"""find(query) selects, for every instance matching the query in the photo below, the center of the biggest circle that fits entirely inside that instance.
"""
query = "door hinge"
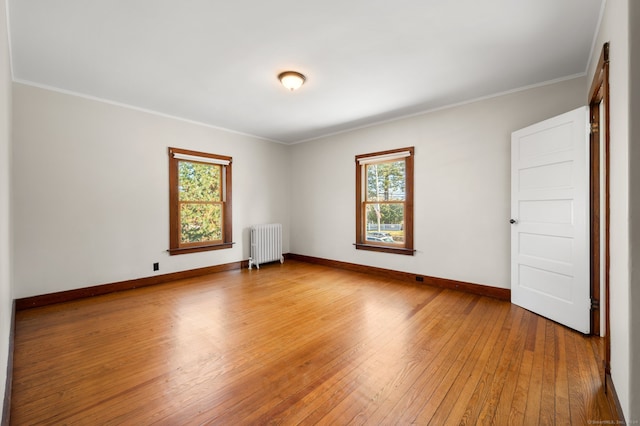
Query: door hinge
(593, 127)
(595, 304)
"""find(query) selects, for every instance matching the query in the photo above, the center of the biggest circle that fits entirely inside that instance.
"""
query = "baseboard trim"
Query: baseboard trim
(480, 289)
(612, 398)
(6, 404)
(81, 293)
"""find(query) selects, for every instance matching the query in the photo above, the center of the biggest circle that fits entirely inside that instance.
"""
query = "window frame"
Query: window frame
(361, 201)
(175, 247)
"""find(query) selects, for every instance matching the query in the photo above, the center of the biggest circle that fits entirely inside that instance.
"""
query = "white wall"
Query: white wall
(90, 187)
(634, 193)
(6, 298)
(615, 29)
(462, 184)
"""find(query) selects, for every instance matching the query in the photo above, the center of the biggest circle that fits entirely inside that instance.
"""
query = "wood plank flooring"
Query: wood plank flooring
(300, 344)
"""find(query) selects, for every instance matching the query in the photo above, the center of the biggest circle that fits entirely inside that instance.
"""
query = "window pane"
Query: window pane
(384, 223)
(386, 181)
(198, 181)
(200, 223)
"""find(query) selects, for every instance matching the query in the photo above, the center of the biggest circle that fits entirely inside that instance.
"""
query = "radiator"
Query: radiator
(266, 244)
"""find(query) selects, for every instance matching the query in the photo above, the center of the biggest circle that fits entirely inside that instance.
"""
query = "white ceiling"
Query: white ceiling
(366, 61)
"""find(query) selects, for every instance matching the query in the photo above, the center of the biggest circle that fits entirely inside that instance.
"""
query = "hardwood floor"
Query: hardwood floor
(300, 344)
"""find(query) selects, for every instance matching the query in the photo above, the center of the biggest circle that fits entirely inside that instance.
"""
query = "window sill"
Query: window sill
(185, 250)
(385, 249)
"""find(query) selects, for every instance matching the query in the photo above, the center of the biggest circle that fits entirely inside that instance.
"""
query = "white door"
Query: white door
(550, 219)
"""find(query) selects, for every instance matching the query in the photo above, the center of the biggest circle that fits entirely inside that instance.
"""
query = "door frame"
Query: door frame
(599, 93)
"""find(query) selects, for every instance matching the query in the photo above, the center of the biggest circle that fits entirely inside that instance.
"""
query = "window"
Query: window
(384, 201)
(199, 201)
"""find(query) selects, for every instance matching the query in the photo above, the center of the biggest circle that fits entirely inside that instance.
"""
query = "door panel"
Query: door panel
(549, 208)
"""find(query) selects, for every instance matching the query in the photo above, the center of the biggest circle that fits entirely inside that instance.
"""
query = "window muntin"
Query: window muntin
(200, 201)
(384, 209)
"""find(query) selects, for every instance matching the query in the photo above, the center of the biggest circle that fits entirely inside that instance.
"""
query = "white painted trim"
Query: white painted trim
(594, 49)
(364, 126)
(445, 107)
(135, 108)
(6, 11)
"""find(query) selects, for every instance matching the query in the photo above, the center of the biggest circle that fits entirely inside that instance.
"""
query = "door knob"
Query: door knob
(513, 221)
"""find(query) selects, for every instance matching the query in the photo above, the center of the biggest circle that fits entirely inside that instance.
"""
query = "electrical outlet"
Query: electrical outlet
(156, 266)
(419, 278)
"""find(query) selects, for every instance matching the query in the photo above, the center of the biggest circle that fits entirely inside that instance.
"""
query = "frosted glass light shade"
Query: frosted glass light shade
(291, 80)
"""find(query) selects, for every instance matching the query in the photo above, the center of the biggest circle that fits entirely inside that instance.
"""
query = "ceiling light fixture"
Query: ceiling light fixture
(292, 80)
